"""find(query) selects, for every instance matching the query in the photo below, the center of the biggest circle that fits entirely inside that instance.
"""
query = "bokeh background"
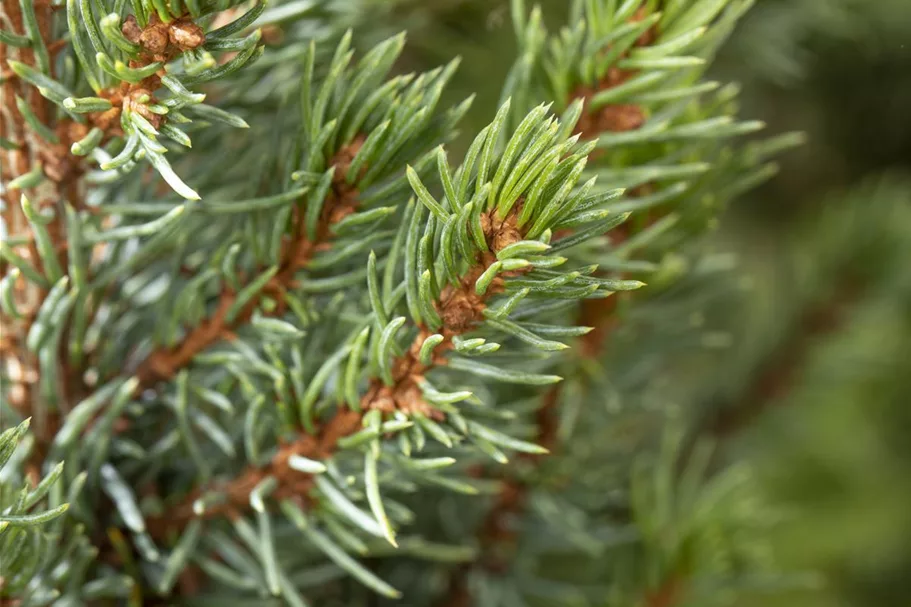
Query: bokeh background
(812, 385)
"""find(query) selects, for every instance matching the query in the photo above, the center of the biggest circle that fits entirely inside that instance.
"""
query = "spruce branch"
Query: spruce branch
(470, 264)
(320, 216)
(399, 125)
(125, 65)
(302, 353)
(640, 99)
(456, 311)
(494, 532)
(292, 485)
(355, 135)
(53, 137)
(488, 240)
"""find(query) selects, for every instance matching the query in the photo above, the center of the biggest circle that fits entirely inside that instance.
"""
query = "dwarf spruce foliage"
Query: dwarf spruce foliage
(268, 340)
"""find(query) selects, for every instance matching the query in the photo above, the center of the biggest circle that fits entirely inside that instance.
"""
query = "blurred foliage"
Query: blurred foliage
(834, 452)
(839, 70)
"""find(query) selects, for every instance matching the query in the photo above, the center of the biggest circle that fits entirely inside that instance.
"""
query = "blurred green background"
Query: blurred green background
(816, 389)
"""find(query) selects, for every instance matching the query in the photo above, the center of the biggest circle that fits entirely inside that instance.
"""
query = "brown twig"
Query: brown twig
(780, 371)
(667, 594)
(293, 485)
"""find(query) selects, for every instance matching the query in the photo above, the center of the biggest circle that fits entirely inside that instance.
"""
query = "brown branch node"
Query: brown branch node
(460, 308)
(613, 117)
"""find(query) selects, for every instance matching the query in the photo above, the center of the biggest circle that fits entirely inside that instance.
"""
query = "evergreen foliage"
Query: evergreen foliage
(277, 346)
